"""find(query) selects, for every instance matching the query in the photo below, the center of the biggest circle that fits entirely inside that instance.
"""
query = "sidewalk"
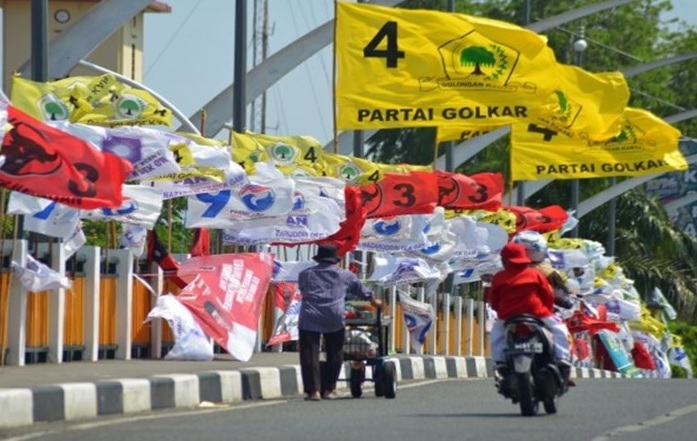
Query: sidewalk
(83, 390)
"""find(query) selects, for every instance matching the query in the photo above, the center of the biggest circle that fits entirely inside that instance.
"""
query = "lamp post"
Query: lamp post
(578, 46)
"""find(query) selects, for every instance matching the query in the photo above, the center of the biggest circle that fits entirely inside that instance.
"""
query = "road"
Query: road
(596, 410)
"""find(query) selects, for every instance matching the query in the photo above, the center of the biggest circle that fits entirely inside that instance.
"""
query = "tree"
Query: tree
(478, 56)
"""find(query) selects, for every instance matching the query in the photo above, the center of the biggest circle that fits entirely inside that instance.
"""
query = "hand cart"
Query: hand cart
(367, 333)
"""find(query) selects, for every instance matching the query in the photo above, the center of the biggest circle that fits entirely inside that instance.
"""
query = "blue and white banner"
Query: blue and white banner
(141, 206)
(392, 234)
(419, 318)
(312, 218)
(394, 270)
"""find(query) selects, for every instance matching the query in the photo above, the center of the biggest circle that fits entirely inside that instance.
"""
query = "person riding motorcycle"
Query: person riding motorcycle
(521, 289)
(536, 246)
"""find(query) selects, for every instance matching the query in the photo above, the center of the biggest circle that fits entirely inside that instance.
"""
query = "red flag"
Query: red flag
(397, 193)
(201, 242)
(226, 295)
(349, 232)
(483, 191)
(52, 164)
(541, 220)
(158, 253)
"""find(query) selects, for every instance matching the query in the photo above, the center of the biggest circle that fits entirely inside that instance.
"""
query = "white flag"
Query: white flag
(419, 318)
(36, 276)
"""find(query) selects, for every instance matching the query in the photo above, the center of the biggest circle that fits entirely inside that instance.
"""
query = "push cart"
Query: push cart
(367, 333)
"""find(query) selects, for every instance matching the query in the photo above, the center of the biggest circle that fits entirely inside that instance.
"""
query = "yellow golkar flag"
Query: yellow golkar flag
(590, 106)
(645, 145)
(100, 100)
(407, 68)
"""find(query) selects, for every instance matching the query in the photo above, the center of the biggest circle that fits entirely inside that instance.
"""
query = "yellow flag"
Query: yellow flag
(645, 145)
(590, 106)
(356, 171)
(288, 153)
(406, 68)
(101, 100)
(462, 133)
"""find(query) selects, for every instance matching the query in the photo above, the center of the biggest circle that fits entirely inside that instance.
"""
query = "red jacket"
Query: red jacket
(521, 290)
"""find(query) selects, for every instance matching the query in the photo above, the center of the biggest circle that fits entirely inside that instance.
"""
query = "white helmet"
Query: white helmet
(535, 244)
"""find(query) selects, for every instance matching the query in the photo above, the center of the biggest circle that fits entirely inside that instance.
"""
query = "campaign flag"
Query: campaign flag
(288, 271)
(225, 293)
(287, 312)
(44, 215)
(541, 220)
(391, 270)
(158, 253)
(52, 164)
(146, 149)
(283, 151)
(396, 193)
(312, 218)
(90, 100)
(482, 191)
(646, 145)
(36, 276)
(462, 133)
(141, 206)
(392, 234)
(419, 318)
(350, 228)
(409, 67)
(255, 201)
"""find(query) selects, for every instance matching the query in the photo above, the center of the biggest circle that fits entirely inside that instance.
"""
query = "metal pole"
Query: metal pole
(520, 190)
(240, 68)
(575, 187)
(449, 146)
(611, 220)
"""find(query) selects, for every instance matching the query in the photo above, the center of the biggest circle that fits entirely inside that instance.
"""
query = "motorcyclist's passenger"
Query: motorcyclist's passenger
(521, 289)
(536, 246)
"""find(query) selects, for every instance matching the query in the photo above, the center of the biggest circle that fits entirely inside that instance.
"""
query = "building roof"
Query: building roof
(154, 6)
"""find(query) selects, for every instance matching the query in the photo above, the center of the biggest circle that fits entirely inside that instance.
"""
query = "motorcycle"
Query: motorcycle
(531, 374)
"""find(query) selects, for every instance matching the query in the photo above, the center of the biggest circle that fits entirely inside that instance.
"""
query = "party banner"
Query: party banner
(419, 318)
(287, 312)
(462, 133)
(482, 191)
(90, 100)
(52, 164)
(225, 293)
(541, 220)
(646, 145)
(408, 67)
(398, 194)
(148, 150)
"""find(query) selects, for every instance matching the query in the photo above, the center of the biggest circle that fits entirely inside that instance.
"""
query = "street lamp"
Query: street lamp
(578, 46)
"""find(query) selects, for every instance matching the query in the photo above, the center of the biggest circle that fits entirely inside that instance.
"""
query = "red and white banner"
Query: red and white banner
(225, 294)
(287, 312)
(49, 163)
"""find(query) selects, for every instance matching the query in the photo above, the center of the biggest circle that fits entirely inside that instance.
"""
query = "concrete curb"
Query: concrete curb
(79, 401)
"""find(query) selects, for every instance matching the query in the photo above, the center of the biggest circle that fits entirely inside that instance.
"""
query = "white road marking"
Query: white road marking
(662, 419)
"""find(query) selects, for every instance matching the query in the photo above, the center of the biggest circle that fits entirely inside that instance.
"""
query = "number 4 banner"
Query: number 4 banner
(419, 68)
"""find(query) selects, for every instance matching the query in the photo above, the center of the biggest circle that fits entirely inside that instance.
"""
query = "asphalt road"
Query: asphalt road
(596, 410)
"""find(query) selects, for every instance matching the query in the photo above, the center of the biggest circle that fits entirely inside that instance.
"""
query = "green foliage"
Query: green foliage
(688, 333)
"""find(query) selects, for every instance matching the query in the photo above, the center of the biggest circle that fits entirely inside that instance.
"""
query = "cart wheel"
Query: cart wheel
(357, 378)
(389, 380)
(379, 380)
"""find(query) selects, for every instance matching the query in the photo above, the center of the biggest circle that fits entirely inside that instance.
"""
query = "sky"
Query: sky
(189, 59)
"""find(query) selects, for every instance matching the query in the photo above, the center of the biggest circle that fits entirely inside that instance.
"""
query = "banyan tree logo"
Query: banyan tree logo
(349, 171)
(474, 62)
(129, 106)
(631, 139)
(53, 108)
(283, 154)
(568, 110)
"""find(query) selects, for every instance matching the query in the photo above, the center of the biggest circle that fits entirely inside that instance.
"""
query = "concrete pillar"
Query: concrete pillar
(56, 316)
(17, 311)
(124, 303)
(92, 297)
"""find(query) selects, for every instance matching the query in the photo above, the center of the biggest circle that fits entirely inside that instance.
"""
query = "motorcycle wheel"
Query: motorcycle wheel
(526, 395)
(550, 406)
